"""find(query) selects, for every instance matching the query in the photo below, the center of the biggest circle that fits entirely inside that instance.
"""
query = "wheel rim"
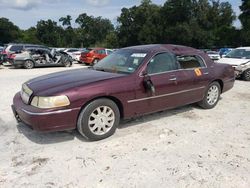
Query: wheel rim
(247, 74)
(67, 64)
(29, 64)
(212, 95)
(101, 120)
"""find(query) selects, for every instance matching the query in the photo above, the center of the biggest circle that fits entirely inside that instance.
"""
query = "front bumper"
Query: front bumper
(44, 120)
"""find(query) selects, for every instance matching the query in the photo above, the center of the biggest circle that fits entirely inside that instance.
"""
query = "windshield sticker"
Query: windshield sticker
(138, 55)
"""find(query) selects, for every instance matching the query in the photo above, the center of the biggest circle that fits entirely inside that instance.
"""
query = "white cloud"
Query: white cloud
(19, 4)
(24, 4)
(98, 2)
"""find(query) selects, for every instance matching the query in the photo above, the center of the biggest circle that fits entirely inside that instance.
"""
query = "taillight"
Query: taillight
(12, 56)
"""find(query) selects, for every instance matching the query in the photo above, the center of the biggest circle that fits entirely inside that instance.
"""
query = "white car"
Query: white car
(71, 52)
(239, 58)
(213, 55)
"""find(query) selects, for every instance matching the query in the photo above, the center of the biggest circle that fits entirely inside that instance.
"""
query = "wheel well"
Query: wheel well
(220, 82)
(114, 99)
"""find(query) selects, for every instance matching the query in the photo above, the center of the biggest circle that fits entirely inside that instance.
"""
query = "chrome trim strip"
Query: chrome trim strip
(49, 113)
(165, 95)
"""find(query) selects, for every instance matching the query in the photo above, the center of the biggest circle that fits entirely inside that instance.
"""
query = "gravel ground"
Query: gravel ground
(186, 147)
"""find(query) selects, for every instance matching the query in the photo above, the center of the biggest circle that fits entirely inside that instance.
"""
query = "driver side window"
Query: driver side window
(162, 63)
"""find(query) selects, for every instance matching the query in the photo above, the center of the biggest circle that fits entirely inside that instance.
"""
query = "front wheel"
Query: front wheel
(246, 75)
(211, 97)
(99, 119)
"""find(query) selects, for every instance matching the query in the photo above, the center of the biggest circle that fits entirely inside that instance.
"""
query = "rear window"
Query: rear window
(16, 48)
(190, 62)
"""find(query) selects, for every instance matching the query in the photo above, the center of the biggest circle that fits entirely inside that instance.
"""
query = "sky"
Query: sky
(26, 13)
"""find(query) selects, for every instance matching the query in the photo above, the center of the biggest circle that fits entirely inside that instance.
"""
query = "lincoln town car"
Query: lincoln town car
(130, 82)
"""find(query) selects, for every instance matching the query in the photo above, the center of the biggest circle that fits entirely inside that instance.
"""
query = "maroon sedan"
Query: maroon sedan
(130, 82)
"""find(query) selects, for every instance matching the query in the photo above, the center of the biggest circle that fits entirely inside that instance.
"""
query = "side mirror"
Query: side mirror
(148, 84)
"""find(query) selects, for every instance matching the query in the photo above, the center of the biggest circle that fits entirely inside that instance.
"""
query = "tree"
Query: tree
(245, 21)
(139, 24)
(93, 29)
(66, 21)
(49, 33)
(30, 36)
(8, 31)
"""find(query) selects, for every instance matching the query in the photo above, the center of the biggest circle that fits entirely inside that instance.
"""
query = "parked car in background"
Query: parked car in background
(130, 82)
(213, 55)
(92, 55)
(76, 55)
(1, 49)
(38, 57)
(224, 51)
(239, 58)
(71, 51)
(12, 49)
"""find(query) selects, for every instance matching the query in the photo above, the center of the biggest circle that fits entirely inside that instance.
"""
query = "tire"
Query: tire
(67, 63)
(28, 64)
(95, 116)
(211, 96)
(95, 61)
(246, 75)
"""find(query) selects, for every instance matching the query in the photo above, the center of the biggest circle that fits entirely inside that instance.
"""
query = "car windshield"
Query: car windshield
(239, 53)
(121, 61)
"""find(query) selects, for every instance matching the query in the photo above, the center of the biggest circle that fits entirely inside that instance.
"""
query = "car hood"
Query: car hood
(61, 81)
(233, 61)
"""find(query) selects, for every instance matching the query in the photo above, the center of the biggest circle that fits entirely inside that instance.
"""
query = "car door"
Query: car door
(194, 67)
(163, 71)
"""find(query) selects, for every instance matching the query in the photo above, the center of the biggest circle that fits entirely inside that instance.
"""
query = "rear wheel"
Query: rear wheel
(67, 63)
(211, 97)
(28, 64)
(246, 75)
(99, 119)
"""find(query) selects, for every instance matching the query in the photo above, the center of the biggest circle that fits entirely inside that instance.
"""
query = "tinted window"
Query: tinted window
(162, 63)
(16, 48)
(72, 50)
(239, 53)
(190, 62)
(101, 52)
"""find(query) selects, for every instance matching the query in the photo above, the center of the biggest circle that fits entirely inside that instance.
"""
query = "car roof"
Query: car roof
(244, 48)
(176, 49)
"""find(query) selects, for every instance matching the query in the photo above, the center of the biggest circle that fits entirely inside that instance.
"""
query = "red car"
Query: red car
(92, 55)
(130, 82)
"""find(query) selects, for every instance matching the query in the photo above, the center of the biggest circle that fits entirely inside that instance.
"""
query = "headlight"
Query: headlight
(50, 102)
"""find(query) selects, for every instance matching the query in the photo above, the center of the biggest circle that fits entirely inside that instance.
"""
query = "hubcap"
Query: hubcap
(29, 64)
(247, 74)
(101, 120)
(212, 95)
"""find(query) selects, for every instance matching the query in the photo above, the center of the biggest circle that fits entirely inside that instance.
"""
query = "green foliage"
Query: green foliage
(245, 21)
(8, 31)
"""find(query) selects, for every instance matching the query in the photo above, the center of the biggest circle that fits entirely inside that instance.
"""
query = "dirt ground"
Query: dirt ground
(186, 147)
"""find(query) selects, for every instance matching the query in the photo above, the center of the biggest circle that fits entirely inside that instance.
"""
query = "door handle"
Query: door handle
(172, 79)
(206, 73)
